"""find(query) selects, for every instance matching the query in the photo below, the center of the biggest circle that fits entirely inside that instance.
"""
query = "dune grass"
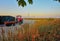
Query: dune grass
(41, 30)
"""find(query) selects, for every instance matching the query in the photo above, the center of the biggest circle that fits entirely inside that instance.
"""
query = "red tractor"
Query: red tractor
(19, 19)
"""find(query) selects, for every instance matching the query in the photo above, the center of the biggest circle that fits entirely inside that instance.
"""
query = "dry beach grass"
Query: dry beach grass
(42, 30)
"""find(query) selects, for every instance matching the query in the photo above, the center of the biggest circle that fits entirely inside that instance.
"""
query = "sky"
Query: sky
(39, 9)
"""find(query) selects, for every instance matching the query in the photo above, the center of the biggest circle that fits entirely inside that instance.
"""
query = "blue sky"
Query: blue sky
(41, 8)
